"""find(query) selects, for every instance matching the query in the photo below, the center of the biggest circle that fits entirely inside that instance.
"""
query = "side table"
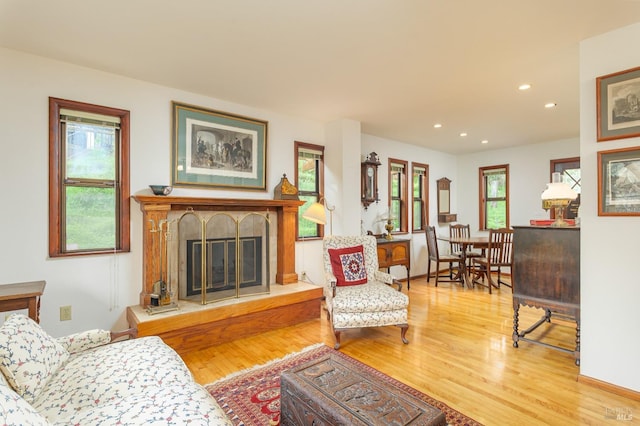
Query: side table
(22, 296)
(395, 252)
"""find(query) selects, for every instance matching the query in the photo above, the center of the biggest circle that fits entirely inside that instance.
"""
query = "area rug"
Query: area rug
(252, 397)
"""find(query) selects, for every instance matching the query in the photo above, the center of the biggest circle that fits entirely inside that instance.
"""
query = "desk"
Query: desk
(466, 244)
(22, 296)
(394, 252)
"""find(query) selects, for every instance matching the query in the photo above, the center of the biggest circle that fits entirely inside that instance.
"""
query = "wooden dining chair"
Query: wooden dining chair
(435, 256)
(459, 230)
(499, 255)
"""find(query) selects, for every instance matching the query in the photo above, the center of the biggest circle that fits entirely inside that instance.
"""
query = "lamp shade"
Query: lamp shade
(558, 190)
(316, 213)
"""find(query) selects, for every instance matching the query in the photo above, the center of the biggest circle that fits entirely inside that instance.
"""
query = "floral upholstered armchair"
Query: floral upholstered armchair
(358, 294)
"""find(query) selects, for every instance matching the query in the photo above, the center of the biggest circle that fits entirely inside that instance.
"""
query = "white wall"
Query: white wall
(528, 176)
(440, 165)
(610, 290)
(98, 287)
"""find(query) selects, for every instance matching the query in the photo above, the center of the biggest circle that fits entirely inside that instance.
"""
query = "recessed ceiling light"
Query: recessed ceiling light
(525, 86)
(437, 125)
(463, 134)
(484, 141)
(550, 105)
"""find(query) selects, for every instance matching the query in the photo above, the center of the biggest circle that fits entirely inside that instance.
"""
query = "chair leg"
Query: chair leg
(403, 333)
(337, 345)
(481, 272)
(429, 270)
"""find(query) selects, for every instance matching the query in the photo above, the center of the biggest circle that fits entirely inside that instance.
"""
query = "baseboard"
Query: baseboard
(617, 390)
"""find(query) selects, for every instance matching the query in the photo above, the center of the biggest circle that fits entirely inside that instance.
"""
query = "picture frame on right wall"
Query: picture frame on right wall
(618, 105)
(619, 182)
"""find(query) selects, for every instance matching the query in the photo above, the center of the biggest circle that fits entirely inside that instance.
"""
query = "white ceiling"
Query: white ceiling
(397, 66)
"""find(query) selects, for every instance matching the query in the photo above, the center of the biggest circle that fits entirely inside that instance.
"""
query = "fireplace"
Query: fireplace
(213, 256)
(220, 263)
(264, 228)
(194, 325)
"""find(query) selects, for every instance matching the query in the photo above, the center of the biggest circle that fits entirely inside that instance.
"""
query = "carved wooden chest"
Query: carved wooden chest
(327, 391)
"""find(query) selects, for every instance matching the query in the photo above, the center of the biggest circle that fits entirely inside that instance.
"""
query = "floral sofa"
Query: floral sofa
(357, 294)
(83, 379)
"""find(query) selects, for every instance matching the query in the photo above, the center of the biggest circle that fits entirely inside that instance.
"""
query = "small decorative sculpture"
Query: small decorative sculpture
(285, 190)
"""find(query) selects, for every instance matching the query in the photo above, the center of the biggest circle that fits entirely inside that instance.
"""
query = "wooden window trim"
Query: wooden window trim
(425, 195)
(482, 195)
(297, 145)
(123, 237)
(403, 193)
(552, 169)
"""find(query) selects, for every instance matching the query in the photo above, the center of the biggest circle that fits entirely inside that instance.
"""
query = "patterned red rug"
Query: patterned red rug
(252, 397)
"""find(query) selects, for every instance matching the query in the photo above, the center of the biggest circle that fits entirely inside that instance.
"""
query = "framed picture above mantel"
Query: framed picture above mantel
(618, 105)
(214, 149)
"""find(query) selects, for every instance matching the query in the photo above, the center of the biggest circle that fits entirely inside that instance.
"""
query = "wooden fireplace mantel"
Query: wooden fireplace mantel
(156, 208)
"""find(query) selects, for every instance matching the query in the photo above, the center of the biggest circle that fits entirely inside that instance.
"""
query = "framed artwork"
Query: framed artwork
(619, 182)
(618, 105)
(214, 149)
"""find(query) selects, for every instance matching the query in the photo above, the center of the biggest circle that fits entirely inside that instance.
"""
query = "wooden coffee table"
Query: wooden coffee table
(329, 391)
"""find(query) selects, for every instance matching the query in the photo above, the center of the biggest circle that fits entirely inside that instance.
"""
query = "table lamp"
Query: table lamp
(557, 196)
(316, 213)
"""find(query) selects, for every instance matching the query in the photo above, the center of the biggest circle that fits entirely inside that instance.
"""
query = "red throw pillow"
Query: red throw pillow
(348, 265)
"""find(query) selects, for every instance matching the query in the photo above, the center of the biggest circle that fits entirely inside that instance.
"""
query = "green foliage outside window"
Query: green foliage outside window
(90, 221)
(90, 207)
(306, 228)
(496, 207)
(307, 181)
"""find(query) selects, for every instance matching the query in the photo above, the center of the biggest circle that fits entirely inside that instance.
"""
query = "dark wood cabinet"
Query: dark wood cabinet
(395, 252)
(546, 275)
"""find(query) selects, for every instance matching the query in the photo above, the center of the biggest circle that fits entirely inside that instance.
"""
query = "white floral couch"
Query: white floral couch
(357, 293)
(83, 379)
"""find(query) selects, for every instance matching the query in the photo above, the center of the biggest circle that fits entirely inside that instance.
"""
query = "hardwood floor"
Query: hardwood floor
(460, 352)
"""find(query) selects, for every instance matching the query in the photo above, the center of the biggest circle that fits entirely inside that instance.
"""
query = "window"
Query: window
(494, 197)
(309, 180)
(570, 170)
(88, 179)
(398, 194)
(420, 193)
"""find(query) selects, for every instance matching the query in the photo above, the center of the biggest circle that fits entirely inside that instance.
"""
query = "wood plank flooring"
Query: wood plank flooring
(460, 352)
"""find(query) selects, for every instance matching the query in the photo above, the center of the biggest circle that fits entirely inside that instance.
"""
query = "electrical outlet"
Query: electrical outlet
(65, 313)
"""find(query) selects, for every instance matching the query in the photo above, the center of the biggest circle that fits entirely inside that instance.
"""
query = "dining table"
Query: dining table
(466, 244)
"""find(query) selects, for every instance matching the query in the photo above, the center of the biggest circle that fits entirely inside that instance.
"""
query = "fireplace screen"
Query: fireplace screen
(222, 256)
(220, 263)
